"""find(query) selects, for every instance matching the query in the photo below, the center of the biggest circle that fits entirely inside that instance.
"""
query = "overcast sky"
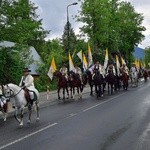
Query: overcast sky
(54, 15)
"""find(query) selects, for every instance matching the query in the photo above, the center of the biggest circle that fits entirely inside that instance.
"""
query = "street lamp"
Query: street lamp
(75, 3)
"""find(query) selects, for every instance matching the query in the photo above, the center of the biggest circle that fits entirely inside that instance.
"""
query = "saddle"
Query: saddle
(30, 96)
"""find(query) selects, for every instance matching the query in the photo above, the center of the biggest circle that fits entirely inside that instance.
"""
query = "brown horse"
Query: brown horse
(145, 75)
(75, 82)
(111, 81)
(125, 79)
(62, 84)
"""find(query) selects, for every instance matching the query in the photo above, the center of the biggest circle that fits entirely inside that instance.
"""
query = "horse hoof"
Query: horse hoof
(28, 122)
(21, 124)
(37, 119)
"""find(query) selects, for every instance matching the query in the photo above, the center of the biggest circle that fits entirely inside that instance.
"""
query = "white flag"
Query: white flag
(71, 65)
(90, 59)
(52, 69)
(106, 59)
(79, 54)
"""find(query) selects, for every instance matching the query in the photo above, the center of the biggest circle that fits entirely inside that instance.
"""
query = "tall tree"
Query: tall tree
(19, 23)
(69, 38)
(111, 24)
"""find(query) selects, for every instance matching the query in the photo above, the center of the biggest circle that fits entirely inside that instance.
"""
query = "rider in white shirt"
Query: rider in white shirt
(78, 71)
(125, 69)
(64, 71)
(134, 68)
(97, 67)
(27, 83)
(111, 68)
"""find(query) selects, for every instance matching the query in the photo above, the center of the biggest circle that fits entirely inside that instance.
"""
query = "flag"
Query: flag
(122, 61)
(85, 63)
(79, 54)
(106, 59)
(71, 65)
(117, 65)
(52, 69)
(74, 52)
(90, 59)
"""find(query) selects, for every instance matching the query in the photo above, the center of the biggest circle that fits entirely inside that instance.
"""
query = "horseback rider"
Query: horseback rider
(134, 68)
(78, 71)
(97, 67)
(64, 71)
(111, 69)
(124, 69)
(27, 83)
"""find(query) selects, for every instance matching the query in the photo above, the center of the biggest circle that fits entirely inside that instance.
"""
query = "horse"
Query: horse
(62, 84)
(14, 91)
(4, 107)
(111, 81)
(75, 82)
(145, 74)
(98, 82)
(134, 79)
(90, 81)
(125, 79)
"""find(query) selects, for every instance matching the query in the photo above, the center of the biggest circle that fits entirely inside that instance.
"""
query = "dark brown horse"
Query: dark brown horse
(125, 79)
(145, 74)
(75, 82)
(111, 81)
(62, 84)
(98, 81)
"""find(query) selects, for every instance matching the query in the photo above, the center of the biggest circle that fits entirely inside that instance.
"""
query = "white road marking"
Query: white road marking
(29, 135)
(102, 102)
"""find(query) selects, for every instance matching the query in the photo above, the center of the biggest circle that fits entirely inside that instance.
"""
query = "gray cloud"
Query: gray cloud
(54, 15)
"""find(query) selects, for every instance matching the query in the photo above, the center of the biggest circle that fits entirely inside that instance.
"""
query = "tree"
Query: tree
(69, 43)
(111, 24)
(19, 24)
(147, 57)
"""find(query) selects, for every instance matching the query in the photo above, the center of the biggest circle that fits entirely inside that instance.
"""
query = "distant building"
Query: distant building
(36, 58)
(139, 53)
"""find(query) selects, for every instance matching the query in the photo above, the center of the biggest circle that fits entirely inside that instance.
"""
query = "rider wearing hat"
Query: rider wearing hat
(124, 69)
(134, 68)
(64, 71)
(78, 71)
(111, 68)
(27, 83)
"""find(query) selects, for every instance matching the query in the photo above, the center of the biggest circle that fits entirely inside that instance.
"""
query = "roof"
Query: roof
(139, 53)
(36, 58)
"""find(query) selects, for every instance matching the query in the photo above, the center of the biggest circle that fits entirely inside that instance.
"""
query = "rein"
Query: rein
(13, 93)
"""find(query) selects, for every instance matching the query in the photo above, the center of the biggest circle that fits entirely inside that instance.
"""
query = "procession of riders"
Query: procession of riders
(111, 68)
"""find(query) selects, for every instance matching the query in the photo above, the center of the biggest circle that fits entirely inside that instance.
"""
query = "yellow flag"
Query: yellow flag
(85, 63)
(117, 65)
(122, 61)
(52, 69)
(106, 59)
(90, 59)
(71, 65)
(136, 63)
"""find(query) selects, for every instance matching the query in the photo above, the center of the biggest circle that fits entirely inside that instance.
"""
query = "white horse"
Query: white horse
(16, 92)
(134, 78)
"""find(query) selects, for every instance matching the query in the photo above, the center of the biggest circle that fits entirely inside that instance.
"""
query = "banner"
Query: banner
(52, 69)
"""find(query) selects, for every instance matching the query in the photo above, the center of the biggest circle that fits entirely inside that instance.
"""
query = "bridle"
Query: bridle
(13, 94)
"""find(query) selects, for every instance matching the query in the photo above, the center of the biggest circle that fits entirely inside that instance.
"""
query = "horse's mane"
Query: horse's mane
(14, 86)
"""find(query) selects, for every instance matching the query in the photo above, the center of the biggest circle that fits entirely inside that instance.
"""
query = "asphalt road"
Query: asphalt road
(117, 122)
